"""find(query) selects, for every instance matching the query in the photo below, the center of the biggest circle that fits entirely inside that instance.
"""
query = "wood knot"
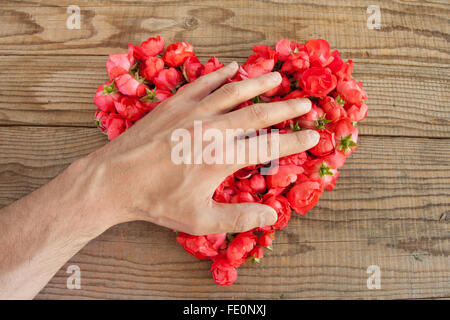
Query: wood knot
(190, 23)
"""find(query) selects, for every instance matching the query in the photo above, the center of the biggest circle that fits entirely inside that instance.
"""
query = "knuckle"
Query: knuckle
(299, 139)
(231, 89)
(241, 222)
(259, 112)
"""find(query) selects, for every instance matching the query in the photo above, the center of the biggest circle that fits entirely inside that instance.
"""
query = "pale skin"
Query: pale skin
(133, 178)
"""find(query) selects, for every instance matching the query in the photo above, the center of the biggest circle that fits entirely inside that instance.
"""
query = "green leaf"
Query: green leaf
(325, 170)
(295, 127)
(270, 248)
(256, 99)
(108, 89)
(339, 100)
(346, 143)
(321, 122)
(151, 95)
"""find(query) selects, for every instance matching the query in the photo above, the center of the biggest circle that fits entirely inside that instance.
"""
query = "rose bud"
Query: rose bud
(318, 82)
(256, 254)
(129, 108)
(333, 110)
(346, 136)
(212, 65)
(106, 95)
(129, 86)
(351, 91)
(116, 125)
(356, 113)
(326, 144)
(168, 79)
(192, 69)
(283, 176)
(261, 62)
(177, 53)
(266, 239)
(304, 196)
(319, 52)
(120, 63)
(341, 69)
(149, 48)
(319, 170)
(151, 67)
(223, 273)
(281, 205)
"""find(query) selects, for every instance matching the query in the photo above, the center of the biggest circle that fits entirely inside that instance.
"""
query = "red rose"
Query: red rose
(351, 91)
(168, 79)
(285, 48)
(106, 95)
(120, 63)
(243, 197)
(223, 273)
(319, 52)
(149, 48)
(116, 125)
(100, 118)
(212, 65)
(151, 67)
(239, 248)
(326, 144)
(297, 159)
(266, 239)
(319, 170)
(346, 136)
(341, 69)
(296, 62)
(257, 253)
(281, 205)
(334, 111)
(304, 196)
(202, 247)
(256, 184)
(154, 97)
(261, 62)
(335, 160)
(129, 86)
(314, 119)
(283, 176)
(318, 82)
(355, 112)
(177, 53)
(192, 69)
(129, 108)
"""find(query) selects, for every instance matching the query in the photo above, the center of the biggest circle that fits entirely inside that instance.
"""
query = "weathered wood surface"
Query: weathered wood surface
(389, 210)
(392, 202)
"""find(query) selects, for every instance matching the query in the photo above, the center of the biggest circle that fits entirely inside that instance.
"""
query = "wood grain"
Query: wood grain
(61, 93)
(386, 210)
(421, 31)
(391, 207)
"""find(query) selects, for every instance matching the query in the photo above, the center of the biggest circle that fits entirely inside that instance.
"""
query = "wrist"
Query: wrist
(83, 197)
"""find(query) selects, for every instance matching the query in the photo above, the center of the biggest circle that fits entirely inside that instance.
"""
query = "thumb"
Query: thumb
(240, 217)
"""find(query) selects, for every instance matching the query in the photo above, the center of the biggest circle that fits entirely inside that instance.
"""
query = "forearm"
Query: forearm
(43, 230)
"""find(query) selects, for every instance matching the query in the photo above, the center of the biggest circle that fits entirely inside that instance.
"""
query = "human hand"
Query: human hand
(134, 178)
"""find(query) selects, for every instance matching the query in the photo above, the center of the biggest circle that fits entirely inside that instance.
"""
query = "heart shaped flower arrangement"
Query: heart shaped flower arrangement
(150, 73)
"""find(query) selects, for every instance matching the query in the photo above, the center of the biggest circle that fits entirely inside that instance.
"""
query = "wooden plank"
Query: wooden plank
(412, 32)
(59, 90)
(388, 210)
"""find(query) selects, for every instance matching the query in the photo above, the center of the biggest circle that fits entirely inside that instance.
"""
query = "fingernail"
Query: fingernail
(275, 76)
(313, 135)
(233, 65)
(270, 218)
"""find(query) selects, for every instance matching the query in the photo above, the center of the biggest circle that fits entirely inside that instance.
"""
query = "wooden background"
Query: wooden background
(391, 207)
